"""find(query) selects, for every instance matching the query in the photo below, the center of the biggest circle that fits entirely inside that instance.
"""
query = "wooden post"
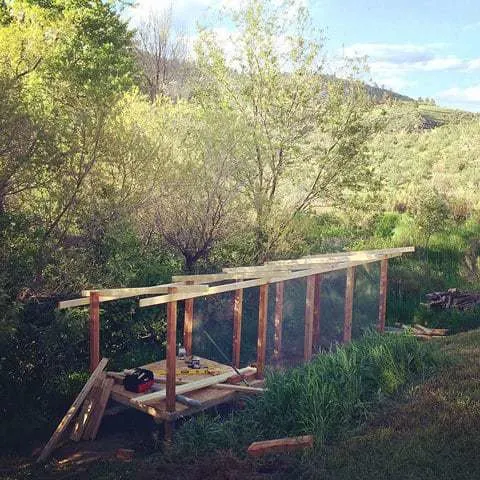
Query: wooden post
(316, 311)
(347, 325)
(278, 320)
(237, 326)
(188, 323)
(308, 336)
(262, 330)
(171, 352)
(382, 308)
(94, 330)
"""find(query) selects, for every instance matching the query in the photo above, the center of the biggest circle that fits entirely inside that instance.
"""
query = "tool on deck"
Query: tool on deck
(189, 402)
(244, 380)
(138, 380)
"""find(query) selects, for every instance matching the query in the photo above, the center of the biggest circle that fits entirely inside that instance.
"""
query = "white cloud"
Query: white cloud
(466, 95)
(394, 64)
(471, 26)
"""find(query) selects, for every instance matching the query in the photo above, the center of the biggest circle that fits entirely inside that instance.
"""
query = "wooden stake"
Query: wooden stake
(316, 311)
(188, 323)
(171, 352)
(278, 321)
(308, 336)
(94, 330)
(350, 285)
(262, 330)
(237, 327)
(382, 307)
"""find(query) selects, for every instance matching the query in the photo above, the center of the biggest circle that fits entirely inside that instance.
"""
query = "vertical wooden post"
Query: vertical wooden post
(316, 311)
(278, 320)
(347, 325)
(237, 326)
(94, 330)
(308, 336)
(188, 323)
(262, 330)
(171, 352)
(382, 307)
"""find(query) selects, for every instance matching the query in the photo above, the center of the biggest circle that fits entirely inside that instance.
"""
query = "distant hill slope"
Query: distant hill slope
(429, 116)
(381, 94)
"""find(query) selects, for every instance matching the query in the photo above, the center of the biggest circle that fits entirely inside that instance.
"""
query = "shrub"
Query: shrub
(333, 393)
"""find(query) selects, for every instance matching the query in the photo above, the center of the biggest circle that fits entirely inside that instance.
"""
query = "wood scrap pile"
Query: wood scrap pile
(426, 333)
(418, 331)
(453, 298)
(87, 411)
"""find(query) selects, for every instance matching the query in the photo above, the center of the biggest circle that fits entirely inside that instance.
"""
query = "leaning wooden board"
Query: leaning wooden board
(66, 420)
(87, 411)
(94, 424)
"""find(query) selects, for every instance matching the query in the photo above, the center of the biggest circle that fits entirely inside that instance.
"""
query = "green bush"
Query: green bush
(333, 393)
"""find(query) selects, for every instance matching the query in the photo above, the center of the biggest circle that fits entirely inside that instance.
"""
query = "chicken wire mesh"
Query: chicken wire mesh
(132, 336)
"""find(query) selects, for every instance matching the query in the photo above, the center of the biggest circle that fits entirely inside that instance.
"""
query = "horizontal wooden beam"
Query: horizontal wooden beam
(134, 292)
(272, 277)
(108, 295)
(239, 388)
(342, 256)
(191, 386)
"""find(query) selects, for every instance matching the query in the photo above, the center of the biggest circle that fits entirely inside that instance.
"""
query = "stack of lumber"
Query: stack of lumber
(418, 331)
(453, 298)
(86, 411)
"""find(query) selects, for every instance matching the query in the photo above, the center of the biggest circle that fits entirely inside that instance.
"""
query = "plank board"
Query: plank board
(67, 419)
(191, 386)
(237, 327)
(94, 424)
(262, 330)
(382, 307)
(270, 278)
(86, 412)
(278, 320)
(308, 333)
(288, 444)
(207, 396)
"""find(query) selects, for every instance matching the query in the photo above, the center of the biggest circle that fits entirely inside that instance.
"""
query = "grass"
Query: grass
(426, 429)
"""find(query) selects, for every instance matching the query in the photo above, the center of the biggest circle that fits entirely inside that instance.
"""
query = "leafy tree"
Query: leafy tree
(161, 52)
(197, 204)
(304, 131)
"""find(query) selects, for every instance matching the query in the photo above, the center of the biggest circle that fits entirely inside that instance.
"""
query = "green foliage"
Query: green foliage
(386, 225)
(334, 392)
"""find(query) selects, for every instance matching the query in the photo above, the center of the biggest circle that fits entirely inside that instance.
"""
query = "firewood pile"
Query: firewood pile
(453, 298)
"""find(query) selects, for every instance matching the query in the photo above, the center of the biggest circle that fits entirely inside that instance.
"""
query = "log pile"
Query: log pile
(453, 298)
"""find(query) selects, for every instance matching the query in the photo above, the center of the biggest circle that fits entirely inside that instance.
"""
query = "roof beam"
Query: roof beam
(329, 257)
(271, 277)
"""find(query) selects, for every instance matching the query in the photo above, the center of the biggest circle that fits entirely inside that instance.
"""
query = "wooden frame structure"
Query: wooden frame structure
(189, 287)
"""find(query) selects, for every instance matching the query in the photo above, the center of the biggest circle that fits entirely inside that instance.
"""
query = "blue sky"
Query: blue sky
(423, 48)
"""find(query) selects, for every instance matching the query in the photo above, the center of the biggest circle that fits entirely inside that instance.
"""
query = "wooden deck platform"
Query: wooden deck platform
(209, 396)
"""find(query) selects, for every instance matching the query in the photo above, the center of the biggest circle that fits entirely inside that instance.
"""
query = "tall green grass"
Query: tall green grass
(333, 393)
